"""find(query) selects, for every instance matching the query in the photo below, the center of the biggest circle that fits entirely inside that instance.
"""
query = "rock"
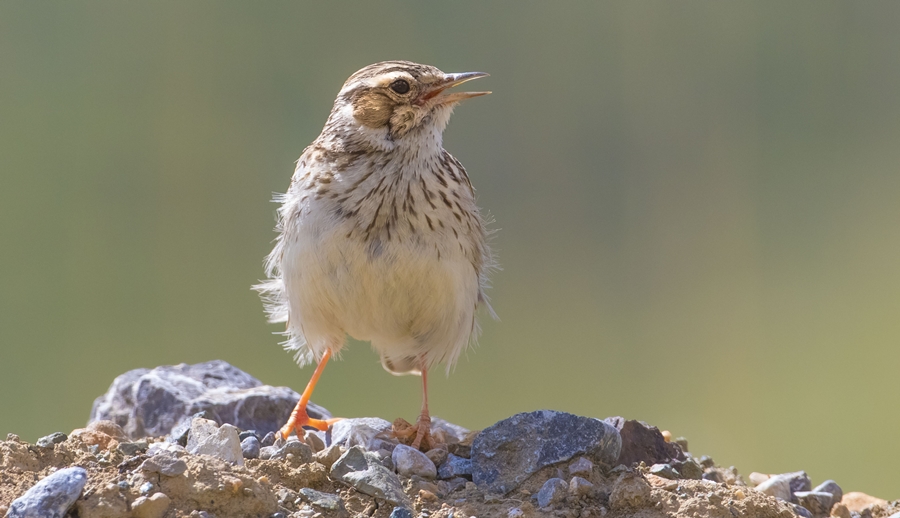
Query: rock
(164, 464)
(154, 506)
(758, 478)
(643, 443)
(629, 491)
(247, 433)
(798, 480)
(51, 497)
(166, 447)
(153, 402)
(777, 486)
(410, 461)
(454, 467)
(314, 440)
(437, 455)
(801, 511)
(371, 433)
(320, 499)
(689, 468)
(665, 471)
(223, 442)
(109, 428)
(49, 440)
(363, 471)
(299, 450)
(840, 510)
(130, 449)
(581, 467)
(857, 501)
(450, 432)
(553, 491)
(401, 512)
(329, 455)
(508, 452)
(817, 502)
(830, 486)
(579, 487)
(268, 440)
(250, 447)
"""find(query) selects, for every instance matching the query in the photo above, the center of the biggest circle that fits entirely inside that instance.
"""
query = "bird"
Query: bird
(379, 236)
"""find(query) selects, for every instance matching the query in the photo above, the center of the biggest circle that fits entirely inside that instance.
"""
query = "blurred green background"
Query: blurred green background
(698, 204)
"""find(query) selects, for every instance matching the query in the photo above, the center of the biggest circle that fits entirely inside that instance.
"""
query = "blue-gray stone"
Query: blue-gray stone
(268, 440)
(665, 471)
(320, 499)
(817, 502)
(248, 433)
(364, 471)
(508, 452)
(801, 511)
(553, 491)
(798, 480)
(51, 497)
(250, 447)
(455, 466)
(131, 449)
(371, 433)
(401, 512)
(830, 486)
(165, 463)
(50, 440)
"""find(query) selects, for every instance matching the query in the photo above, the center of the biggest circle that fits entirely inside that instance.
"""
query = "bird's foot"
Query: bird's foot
(300, 418)
(418, 435)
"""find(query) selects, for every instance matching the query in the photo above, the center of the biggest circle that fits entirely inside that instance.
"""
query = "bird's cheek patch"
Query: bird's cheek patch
(402, 121)
(373, 111)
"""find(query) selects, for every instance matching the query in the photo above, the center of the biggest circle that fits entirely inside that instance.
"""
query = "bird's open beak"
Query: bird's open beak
(449, 81)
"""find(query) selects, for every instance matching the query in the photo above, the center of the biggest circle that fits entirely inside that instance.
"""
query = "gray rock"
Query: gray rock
(166, 447)
(221, 442)
(579, 487)
(300, 451)
(49, 440)
(798, 480)
(248, 433)
(153, 402)
(449, 486)
(689, 468)
(508, 452)
(401, 512)
(665, 471)
(553, 491)
(410, 461)
(268, 440)
(320, 499)
(165, 464)
(371, 433)
(266, 452)
(581, 467)
(437, 455)
(131, 449)
(830, 486)
(451, 432)
(315, 440)
(817, 502)
(643, 443)
(329, 455)
(250, 447)
(629, 491)
(799, 510)
(363, 471)
(455, 467)
(778, 486)
(52, 496)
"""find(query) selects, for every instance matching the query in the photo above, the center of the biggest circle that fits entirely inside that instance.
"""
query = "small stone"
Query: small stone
(368, 432)
(663, 483)
(798, 480)
(109, 428)
(758, 478)
(455, 467)
(447, 487)
(130, 449)
(581, 467)
(579, 487)
(410, 461)
(51, 497)
(164, 464)
(300, 451)
(150, 507)
(146, 488)
(401, 512)
(681, 441)
(266, 452)
(830, 486)
(320, 499)
(124, 485)
(385, 457)
(49, 440)
(268, 440)
(817, 502)
(644, 443)
(665, 471)
(452, 433)
(364, 471)
(509, 451)
(223, 442)
(707, 462)
(739, 494)
(840, 511)
(250, 447)
(777, 486)
(166, 447)
(553, 491)
(801, 511)
(437, 455)
(329, 455)
(515, 512)
(858, 501)
(629, 491)
(314, 440)
(248, 433)
(689, 468)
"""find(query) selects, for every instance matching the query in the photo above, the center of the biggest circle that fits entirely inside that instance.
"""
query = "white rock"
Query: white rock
(410, 461)
(222, 442)
(777, 486)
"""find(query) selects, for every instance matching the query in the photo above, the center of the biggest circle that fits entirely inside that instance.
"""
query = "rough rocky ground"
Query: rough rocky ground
(535, 464)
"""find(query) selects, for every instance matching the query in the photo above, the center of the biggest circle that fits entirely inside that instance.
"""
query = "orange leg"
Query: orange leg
(299, 417)
(423, 423)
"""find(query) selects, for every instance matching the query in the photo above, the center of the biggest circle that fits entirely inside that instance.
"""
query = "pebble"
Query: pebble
(515, 512)
(665, 471)
(798, 480)
(146, 488)
(553, 491)
(223, 442)
(268, 440)
(401, 512)
(320, 499)
(858, 501)
(314, 440)
(329, 455)
(582, 467)
(758, 478)
(364, 471)
(643, 443)
(840, 511)
(453, 433)
(368, 432)
(294, 447)
(454, 467)
(579, 487)
(629, 491)
(777, 486)
(51, 497)
(410, 461)
(248, 433)
(817, 502)
(437, 455)
(830, 486)
(49, 440)
(130, 449)
(511, 450)
(799, 510)
(689, 468)
(250, 447)
(166, 447)
(447, 487)
(164, 464)
(150, 507)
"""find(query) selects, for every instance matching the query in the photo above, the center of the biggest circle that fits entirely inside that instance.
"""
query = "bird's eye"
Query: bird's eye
(400, 86)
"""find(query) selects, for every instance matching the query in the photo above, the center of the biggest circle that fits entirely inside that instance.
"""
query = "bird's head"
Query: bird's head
(393, 100)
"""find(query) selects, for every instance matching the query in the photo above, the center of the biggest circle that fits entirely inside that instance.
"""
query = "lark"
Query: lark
(379, 235)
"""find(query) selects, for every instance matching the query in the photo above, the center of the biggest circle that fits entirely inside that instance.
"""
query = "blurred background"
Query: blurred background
(698, 208)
